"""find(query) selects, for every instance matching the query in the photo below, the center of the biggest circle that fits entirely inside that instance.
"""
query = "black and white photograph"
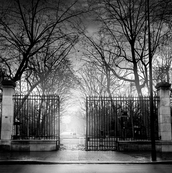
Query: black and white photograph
(85, 86)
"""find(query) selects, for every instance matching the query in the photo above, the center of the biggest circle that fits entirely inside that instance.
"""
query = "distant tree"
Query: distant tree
(97, 56)
(162, 63)
(60, 81)
(2, 75)
(94, 81)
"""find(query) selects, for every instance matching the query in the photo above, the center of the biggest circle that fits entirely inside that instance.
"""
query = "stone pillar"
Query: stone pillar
(164, 116)
(7, 112)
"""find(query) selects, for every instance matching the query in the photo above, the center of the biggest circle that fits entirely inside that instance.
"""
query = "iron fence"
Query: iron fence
(109, 120)
(36, 117)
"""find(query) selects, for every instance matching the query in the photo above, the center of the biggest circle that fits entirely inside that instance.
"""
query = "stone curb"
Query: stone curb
(8, 162)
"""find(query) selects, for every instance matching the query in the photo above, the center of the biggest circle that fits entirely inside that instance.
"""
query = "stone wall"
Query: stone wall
(34, 145)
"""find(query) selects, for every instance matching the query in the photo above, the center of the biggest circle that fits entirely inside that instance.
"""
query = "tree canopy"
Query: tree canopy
(36, 30)
(123, 32)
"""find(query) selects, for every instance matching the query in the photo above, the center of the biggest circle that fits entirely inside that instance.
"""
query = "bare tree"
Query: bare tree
(28, 28)
(2, 75)
(124, 29)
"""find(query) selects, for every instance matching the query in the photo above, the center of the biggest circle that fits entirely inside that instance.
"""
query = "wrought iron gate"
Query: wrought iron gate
(36, 117)
(109, 120)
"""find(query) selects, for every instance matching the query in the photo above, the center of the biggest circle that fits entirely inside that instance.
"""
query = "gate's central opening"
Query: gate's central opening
(72, 129)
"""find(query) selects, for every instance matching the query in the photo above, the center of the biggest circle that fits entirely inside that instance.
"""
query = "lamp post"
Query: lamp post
(152, 116)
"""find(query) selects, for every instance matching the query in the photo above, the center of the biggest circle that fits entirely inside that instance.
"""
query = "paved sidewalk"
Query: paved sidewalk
(80, 156)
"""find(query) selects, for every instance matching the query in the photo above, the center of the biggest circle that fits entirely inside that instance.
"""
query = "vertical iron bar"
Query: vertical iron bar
(116, 123)
(99, 116)
(54, 112)
(89, 125)
(101, 107)
(110, 120)
(92, 121)
(104, 129)
(27, 119)
(94, 124)
(58, 120)
(35, 117)
(49, 122)
(86, 130)
(95, 136)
